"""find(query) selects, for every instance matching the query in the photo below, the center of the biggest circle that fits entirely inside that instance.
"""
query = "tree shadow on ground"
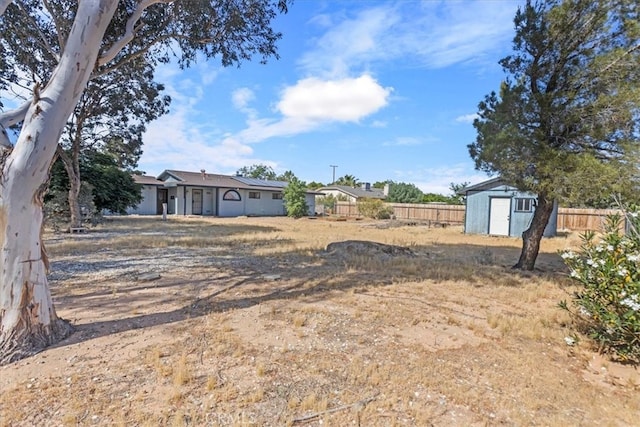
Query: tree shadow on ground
(294, 275)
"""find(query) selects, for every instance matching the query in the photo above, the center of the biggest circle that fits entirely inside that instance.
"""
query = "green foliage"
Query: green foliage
(608, 302)
(258, 171)
(295, 201)
(439, 198)
(569, 104)
(348, 180)
(457, 199)
(381, 184)
(314, 185)
(328, 202)
(56, 205)
(374, 208)
(401, 192)
(112, 188)
(287, 176)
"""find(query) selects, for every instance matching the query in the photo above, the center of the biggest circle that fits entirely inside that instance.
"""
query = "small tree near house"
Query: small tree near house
(295, 200)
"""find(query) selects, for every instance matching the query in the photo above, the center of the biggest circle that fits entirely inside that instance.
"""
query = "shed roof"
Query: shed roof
(484, 185)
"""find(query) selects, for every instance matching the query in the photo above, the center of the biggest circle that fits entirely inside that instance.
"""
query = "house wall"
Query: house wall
(208, 201)
(180, 202)
(231, 207)
(478, 205)
(149, 201)
(266, 205)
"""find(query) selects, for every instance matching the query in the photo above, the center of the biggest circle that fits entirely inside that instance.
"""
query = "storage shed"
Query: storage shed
(499, 209)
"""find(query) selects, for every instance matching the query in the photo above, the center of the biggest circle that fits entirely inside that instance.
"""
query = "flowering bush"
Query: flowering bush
(608, 270)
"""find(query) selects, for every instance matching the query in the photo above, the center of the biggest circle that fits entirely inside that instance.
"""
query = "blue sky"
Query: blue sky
(384, 90)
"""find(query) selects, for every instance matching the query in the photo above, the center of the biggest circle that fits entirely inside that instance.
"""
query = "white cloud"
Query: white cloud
(312, 103)
(434, 34)
(467, 118)
(379, 124)
(177, 141)
(343, 100)
(404, 141)
(242, 97)
(438, 180)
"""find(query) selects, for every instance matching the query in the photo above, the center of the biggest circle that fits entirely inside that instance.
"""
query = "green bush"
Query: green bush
(295, 199)
(607, 306)
(374, 208)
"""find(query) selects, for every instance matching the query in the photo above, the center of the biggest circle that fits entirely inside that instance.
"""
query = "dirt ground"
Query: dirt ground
(250, 321)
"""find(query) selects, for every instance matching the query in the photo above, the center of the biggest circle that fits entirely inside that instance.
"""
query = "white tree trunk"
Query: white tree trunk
(28, 320)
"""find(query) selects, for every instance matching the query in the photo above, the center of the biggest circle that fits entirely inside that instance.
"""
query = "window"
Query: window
(254, 194)
(276, 196)
(232, 195)
(524, 205)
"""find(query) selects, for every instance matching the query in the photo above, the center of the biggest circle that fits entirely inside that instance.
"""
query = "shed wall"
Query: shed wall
(477, 215)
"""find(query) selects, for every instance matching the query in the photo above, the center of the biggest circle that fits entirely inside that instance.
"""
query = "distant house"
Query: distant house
(201, 193)
(497, 208)
(352, 194)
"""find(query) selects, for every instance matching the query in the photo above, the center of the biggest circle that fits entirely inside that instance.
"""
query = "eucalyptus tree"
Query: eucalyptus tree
(110, 118)
(569, 107)
(88, 39)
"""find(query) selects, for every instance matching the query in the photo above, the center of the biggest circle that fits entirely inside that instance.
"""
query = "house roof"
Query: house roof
(203, 179)
(358, 192)
(147, 180)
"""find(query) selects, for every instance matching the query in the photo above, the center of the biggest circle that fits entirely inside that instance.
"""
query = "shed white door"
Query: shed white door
(499, 210)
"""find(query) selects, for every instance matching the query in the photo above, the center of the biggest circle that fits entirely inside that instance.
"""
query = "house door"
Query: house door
(499, 216)
(163, 197)
(196, 202)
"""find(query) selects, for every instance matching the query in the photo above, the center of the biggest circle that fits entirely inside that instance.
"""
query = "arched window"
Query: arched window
(231, 195)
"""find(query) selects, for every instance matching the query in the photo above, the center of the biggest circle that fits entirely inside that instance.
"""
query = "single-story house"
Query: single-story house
(497, 208)
(201, 193)
(352, 194)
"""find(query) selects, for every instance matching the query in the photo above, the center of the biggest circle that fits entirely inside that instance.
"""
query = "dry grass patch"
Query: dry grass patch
(252, 322)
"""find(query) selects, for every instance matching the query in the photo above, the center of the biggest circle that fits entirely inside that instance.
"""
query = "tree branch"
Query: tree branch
(628, 52)
(14, 116)
(130, 57)
(45, 43)
(130, 30)
(11, 118)
(3, 5)
(56, 23)
(361, 404)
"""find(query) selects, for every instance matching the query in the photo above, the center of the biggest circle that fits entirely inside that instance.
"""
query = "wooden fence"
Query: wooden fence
(432, 213)
(439, 214)
(584, 219)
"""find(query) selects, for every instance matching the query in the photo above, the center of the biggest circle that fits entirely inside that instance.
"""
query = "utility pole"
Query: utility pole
(334, 173)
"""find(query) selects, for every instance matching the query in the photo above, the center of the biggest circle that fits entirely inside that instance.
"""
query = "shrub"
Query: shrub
(295, 199)
(328, 202)
(608, 302)
(374, 208)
